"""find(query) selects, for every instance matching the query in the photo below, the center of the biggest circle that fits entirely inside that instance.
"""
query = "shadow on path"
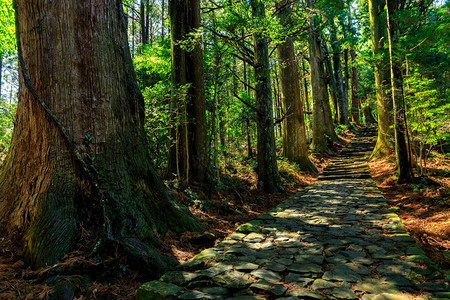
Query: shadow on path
(337, 239)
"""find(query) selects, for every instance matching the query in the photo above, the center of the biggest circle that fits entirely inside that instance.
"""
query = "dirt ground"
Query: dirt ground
(423, 206)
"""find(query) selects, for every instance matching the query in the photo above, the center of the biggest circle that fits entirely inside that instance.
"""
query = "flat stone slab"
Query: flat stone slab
(158, 290)
(342, 273)
(233, 280)
(338, 238)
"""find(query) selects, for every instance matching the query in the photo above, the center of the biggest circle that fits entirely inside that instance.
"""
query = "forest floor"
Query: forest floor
(424, 208)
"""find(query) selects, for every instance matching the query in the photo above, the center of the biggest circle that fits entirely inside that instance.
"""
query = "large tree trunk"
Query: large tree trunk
(381, 73)
(190, 160)
(326, 108)
(401, 137)
(354, 110)
(294, 139)
(268, 175)
(89, 165)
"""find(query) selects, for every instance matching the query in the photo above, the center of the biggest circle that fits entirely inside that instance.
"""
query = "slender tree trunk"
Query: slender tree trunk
(331, 83)
(268, 176)
(308, 108)
(355, 97)
(132, 33)
(142, 20)
(247, 119)
(401, 136)
(346, 88)
(381, 73)
(84, 121)
(338, 75)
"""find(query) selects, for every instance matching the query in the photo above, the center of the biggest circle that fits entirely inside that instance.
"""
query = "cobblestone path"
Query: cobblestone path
(337, 239)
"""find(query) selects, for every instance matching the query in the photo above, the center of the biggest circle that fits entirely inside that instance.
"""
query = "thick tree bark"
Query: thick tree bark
(268, 176)
(191, 157)
(354, 110)
(401, 137)
(294, 139)
(319, 140)
(327, 116)
(381, 73)
(78, 62)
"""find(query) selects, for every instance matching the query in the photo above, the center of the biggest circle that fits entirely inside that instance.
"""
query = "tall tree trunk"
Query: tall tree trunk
(326, 108)
(268, 175)
(346, 88)
(318, 125)
(331, 83)
(338, 74)
(84, 121)
(401, 136)
(355, 97)
(189, 157)
(142, 21)
(381, 73)
(294, 139)
(247, 119)
(197, 129)
(306, 97)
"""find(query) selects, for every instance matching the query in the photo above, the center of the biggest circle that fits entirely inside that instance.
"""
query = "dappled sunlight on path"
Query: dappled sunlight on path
(337, 239)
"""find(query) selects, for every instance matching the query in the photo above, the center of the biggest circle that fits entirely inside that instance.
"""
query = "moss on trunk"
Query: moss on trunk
(77, 58)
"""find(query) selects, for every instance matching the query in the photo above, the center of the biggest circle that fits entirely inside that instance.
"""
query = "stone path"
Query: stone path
(337, 239)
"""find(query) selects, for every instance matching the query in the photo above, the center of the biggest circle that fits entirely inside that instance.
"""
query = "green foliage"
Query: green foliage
(153, 73)
(7, 27)
(7, 112)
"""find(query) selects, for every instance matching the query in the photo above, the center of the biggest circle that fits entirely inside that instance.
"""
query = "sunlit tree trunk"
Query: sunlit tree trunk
(89, 165)
(381, 73)
(294, 139)
(268, 175)
(401, 136)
